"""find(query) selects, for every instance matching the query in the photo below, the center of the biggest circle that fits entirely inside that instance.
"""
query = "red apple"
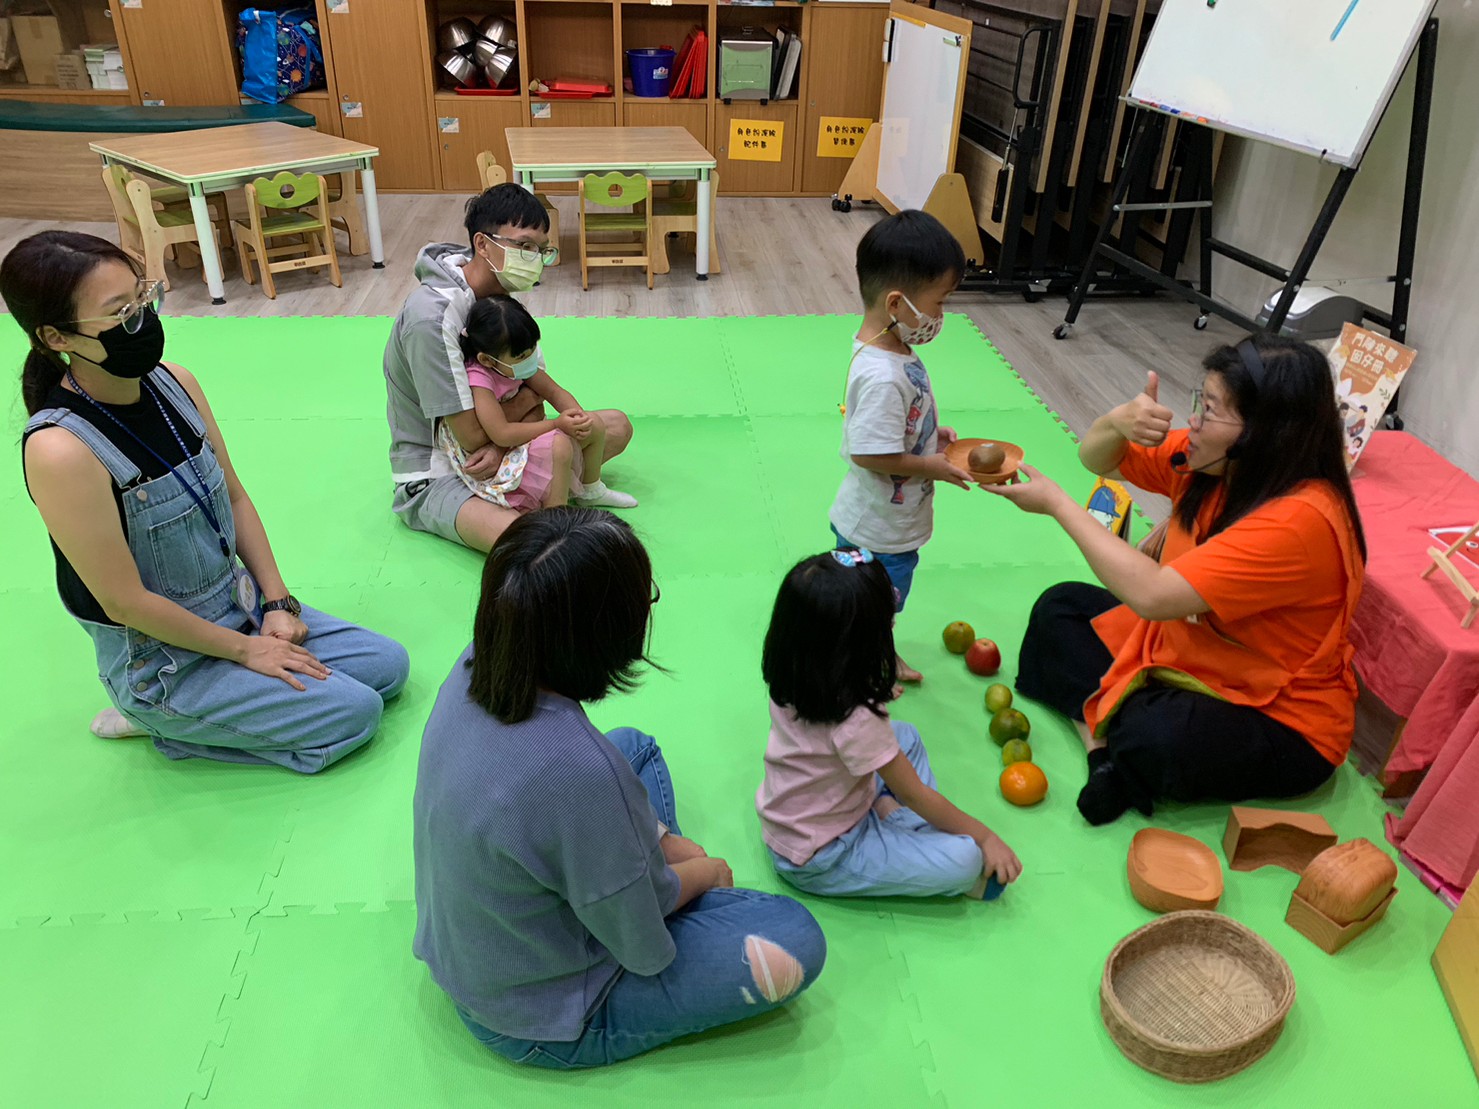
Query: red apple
(983, 658)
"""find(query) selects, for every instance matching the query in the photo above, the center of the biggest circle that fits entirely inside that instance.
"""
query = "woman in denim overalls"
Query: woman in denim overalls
(198, 641)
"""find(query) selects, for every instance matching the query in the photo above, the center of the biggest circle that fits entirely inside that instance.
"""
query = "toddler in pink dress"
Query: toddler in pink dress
(546, 462)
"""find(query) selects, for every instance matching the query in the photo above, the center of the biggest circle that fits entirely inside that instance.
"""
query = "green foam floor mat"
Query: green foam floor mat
(200, 934)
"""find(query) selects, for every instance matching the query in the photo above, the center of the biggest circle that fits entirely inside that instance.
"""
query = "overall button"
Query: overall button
(142, 494)
(141, 686)
(139, 663)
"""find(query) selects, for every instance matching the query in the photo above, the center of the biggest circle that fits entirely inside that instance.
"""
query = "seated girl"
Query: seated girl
(849, 806)
(546, 462)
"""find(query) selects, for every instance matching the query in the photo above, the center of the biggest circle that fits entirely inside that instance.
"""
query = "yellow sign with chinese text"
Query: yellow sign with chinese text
(840, 136)
(756, 140)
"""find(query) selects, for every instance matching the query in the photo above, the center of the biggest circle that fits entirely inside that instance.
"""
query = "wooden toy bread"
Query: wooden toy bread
(1347, 881)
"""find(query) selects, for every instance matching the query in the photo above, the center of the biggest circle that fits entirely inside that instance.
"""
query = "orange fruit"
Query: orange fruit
(1010, 724)
(1016, 750)
(958, 637)
(1024, 783)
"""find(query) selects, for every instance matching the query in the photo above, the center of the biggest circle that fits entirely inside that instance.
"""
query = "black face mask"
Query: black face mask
(132, 355)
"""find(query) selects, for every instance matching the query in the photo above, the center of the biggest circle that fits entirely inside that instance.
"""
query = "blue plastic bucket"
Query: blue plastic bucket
(652, 71)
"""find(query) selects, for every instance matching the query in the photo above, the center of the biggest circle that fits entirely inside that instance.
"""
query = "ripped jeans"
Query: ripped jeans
(740, 953)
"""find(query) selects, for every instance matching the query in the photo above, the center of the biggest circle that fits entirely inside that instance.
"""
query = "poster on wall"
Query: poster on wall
(1368, 368)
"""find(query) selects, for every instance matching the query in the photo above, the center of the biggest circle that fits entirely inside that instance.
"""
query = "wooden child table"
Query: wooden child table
(229, 157)
(541, 154)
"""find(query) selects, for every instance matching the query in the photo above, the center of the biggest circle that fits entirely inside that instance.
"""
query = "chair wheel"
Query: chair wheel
(1062, 330)
(1200, 323)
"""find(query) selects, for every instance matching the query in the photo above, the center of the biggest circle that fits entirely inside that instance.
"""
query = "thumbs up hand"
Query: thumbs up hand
(1144, 420)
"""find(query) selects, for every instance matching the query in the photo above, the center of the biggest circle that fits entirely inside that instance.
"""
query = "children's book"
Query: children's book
(1367, 368)
(1110, 504)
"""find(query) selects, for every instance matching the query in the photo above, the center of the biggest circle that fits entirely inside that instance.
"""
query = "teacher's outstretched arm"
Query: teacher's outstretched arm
(1143, 420)
(1153, 591)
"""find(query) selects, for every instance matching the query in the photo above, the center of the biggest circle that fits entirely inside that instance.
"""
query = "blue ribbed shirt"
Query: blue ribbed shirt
(539, 877)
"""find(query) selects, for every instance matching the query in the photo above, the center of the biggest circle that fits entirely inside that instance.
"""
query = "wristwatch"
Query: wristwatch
(288, 604)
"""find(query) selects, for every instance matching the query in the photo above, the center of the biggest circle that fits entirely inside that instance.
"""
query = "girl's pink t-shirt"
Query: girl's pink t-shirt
(819, 779)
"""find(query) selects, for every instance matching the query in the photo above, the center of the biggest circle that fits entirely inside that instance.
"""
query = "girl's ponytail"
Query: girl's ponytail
(42, 373)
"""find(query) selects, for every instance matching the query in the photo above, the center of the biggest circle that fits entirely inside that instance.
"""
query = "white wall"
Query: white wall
(1267, 199)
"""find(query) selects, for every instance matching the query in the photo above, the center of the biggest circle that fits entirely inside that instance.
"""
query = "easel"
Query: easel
(1443, 560)
(1139, 168)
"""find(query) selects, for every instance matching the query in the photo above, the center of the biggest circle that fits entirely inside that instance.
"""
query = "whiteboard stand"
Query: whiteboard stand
(1139, 166)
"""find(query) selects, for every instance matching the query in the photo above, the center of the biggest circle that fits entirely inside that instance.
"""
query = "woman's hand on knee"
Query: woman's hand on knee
(277, 658)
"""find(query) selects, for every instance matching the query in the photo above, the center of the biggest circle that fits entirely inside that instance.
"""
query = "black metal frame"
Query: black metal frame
(1139, 164)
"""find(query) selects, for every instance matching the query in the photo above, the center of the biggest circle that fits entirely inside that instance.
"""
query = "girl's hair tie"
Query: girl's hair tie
(856, 556)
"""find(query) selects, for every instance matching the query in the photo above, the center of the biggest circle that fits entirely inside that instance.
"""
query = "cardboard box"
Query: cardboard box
(71, 71)
(40, 39)
(1456, 962)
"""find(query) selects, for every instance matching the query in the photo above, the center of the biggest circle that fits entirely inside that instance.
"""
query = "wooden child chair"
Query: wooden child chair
(296, 210)
(677, 214)
(344, 212)
(154, 222)
(490, 173)
(615, 190)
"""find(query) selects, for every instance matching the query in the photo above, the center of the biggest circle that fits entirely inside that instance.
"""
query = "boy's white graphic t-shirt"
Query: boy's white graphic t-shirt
(890, 410)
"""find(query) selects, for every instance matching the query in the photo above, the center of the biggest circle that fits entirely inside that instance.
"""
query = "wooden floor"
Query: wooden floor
(779, 257)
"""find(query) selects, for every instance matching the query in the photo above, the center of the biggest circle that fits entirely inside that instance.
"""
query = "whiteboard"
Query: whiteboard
(920, 122)
(1271, 70)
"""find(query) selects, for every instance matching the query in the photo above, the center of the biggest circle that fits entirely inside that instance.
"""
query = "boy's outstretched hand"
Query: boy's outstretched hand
(938, 467)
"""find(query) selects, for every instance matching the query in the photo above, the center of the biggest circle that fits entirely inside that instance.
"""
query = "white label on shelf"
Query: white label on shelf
(449, 125)
(338, 7)
(661, 3)
(133, 3)
(153, 103)
(353, 109)
(540, 111)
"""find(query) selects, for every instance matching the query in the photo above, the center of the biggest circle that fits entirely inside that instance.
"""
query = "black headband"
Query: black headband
(1252, 362)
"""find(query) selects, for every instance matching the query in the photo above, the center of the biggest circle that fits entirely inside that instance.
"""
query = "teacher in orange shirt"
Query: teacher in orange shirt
(1222, 671)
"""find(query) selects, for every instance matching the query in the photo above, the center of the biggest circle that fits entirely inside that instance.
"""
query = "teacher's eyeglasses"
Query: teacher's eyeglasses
(548, 253)
(131, 316)
(1200, 415)
(656, 594)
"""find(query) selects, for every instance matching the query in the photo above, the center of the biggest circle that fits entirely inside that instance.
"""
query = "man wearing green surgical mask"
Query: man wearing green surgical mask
(425, 378)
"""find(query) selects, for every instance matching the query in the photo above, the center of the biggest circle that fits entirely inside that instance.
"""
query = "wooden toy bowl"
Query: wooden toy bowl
(1274, 837)
(1195, 996)
(959, 452)
(1169, 871)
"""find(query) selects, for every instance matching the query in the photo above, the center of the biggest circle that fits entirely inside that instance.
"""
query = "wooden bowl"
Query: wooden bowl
(1347, 881)
(959, 452)
(1194, 996)
(1169, 871)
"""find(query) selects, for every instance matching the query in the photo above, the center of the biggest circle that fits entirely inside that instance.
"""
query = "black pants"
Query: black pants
(1164, 743)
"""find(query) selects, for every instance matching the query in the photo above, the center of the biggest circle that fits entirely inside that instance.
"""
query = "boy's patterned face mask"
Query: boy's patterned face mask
(855, 557)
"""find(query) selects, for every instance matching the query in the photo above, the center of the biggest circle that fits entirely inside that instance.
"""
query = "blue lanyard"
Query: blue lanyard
(183, 480)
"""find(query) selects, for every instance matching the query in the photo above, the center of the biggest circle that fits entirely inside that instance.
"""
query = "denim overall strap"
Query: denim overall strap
(178, 398)
(123, 472)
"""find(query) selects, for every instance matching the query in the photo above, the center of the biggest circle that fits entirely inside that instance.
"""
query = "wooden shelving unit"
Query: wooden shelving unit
(382, 88)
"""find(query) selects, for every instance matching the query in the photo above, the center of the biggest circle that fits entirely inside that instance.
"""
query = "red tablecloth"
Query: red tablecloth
(1411, 651)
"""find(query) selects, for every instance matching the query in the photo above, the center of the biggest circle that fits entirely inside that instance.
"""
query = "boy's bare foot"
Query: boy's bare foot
(898, 692)
(906, 673)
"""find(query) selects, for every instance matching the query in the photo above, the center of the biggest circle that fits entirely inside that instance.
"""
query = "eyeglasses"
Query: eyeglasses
(656, 594)
(1199, 413)
(548, 254)
(131, 316)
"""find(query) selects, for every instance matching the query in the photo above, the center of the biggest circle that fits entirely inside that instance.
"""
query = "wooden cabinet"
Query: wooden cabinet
(838, 83)
(571, 113)
(692, 114)
(382, 73)
(178, 52)
(747, 178)
(479, 125)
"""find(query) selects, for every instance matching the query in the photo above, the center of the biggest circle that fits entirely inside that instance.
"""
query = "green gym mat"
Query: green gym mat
(192, 933)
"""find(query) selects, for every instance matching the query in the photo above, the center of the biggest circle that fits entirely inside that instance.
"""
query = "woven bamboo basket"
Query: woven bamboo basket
(1194, 996)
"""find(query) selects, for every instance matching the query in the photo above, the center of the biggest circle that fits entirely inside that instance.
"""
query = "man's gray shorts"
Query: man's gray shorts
(432, 505)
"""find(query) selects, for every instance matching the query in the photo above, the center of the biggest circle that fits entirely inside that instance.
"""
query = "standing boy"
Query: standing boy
(907, 266)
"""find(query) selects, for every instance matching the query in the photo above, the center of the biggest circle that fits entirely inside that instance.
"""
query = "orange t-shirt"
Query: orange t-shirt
(1282, 584)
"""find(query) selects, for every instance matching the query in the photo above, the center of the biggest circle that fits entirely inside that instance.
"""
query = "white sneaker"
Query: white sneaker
(600, 496)
(112, 724)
